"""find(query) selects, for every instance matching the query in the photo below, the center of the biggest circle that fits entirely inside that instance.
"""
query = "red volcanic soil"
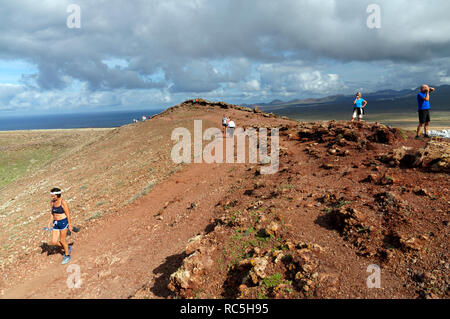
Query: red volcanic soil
(345, 197)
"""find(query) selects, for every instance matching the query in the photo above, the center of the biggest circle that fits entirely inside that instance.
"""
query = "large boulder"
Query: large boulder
(382, 136)
(403, 156)
(437, 156)
(257, 110)
(194, 270)
(434, 157)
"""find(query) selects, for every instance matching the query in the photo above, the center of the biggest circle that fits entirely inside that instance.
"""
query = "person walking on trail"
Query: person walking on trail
(60, 222)
(231, 127)
(359, 105)
(423, 100)
(224, 123)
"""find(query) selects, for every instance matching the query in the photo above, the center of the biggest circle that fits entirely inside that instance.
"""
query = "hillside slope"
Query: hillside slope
(343, 199)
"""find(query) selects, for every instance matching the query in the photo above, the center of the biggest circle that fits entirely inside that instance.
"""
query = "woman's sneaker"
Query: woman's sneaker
(65, 260)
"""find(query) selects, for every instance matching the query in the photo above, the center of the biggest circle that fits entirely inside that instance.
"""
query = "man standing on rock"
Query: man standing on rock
(423, 100)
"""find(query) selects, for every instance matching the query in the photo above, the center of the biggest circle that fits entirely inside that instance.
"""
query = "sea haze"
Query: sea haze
(70, 121)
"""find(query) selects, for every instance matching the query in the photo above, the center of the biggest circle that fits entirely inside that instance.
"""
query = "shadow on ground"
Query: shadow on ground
(52, 249)
(170, 265)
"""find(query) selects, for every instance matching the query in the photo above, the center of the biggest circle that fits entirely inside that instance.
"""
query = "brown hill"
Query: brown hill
(344, 198)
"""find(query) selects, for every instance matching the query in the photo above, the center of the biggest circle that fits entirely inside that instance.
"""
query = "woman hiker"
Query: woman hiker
(60, 219)
(359, 105)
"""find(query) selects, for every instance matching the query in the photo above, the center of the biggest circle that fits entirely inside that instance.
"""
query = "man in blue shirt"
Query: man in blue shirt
(423, 100)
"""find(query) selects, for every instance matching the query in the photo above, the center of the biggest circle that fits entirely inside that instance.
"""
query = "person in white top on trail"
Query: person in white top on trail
(224, 123)
(231, 126)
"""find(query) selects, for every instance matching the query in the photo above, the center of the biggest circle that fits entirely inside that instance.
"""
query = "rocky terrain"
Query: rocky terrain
(346, 196)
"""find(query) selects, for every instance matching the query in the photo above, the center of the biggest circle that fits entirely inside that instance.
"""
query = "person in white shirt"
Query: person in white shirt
(231, 127)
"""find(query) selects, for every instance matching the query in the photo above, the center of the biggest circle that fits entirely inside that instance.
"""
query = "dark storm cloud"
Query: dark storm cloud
(186, 40)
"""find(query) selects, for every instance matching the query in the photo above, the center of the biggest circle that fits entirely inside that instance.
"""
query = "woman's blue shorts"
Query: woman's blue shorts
(60, 224)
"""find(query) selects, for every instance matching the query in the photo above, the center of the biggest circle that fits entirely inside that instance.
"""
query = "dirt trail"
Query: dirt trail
(130, 247)
(123, 251)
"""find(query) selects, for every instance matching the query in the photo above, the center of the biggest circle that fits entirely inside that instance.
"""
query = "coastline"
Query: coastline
(85, 129)
(98, 120)
(406, 124)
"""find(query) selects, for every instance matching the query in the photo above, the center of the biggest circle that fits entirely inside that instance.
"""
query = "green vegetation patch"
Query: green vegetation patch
(16, 164)
(273, 281)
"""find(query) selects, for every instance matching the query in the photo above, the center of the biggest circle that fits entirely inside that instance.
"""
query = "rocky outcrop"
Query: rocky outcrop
(257, 110)
(195, 268)
(204, 103)
(434, 157)
(343, 133)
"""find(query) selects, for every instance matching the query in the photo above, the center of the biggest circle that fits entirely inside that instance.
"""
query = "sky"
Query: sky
(153, 54)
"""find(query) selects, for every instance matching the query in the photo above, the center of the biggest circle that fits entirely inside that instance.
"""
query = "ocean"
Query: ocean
(71, 121)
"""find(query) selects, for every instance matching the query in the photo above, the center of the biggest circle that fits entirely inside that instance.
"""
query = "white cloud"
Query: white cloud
(252, 85)
(290, 79)
(227, 49)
